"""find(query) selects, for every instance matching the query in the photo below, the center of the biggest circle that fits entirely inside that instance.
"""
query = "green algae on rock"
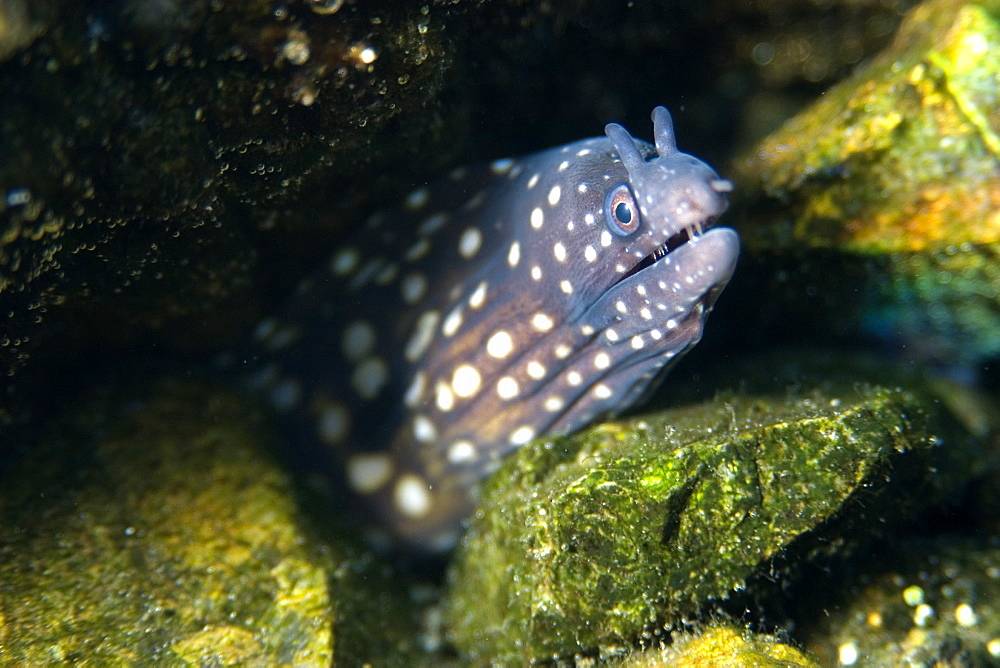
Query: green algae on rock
(178, 538)
(889, 186)
(582, 542)
(938, 600)
(721, 645)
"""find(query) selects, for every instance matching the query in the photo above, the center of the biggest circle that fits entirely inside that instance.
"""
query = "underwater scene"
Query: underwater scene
(640, 333)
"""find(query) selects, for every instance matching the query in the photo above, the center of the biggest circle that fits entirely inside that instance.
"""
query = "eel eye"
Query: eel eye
(621, 211)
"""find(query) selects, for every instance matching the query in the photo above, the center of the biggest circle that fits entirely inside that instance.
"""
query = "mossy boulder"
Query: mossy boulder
(877, 209)
(162, 529)
(582, 542)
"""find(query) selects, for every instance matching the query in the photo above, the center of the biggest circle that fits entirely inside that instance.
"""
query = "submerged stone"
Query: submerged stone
(721, 645)
(177, 538)
(883, 197)
(936, 601)
(149, 146)
(585, 541)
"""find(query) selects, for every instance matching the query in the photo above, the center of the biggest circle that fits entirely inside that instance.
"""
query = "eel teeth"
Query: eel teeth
(682, 237)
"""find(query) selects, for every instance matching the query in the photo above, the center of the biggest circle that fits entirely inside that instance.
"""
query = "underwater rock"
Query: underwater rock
(933, 602)
(21, 24)
(878, 208)
(583, 542)
(721, 645)
(177, 537)
(149, 146)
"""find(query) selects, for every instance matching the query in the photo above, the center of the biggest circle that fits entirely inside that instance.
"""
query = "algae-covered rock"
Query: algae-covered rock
(20, 25)
(937, 603)
(721, 645)
(879, 206)
(582, 542)
(177, 538)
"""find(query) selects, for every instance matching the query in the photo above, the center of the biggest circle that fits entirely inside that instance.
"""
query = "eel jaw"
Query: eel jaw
(678, 239)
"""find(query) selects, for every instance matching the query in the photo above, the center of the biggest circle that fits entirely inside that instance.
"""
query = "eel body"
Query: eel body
(504, 302)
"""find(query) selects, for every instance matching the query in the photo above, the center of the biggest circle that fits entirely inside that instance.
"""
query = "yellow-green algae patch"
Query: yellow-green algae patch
(583, 542)
(903, 156)
(721, 645)
(177, 538)
(883, 198)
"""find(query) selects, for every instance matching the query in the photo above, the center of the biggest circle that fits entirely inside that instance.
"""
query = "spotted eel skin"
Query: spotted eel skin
(507, 301)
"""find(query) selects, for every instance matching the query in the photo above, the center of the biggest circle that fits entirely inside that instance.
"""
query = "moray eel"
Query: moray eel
(508, 301)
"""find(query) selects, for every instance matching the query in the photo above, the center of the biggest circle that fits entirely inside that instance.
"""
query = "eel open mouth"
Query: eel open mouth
(677, 240)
